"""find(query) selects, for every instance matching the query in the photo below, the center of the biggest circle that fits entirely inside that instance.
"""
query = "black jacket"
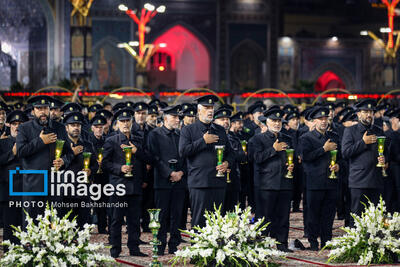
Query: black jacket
(240, 157)
(362, 158)
(316, 161)
(269, 165)
(201, 158)
(163, 146)
(114, 158)
(35, 155)
(76, 163)
(8, 161)
(394, 164)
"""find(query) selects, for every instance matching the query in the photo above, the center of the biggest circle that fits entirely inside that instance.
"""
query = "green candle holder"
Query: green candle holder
(289, 160)
(100, 158)
(381, 150)
(154, 226)
(220, 155)
(128, 159)
(333, 162)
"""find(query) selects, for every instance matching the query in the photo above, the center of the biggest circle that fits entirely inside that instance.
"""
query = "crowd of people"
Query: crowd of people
(327, 159)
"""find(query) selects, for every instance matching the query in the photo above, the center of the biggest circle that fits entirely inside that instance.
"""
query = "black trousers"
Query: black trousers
(361, 195)
(132, 213)
(231, 198)
(186, 206)
(102, 222)
(274, 206)
(147, 203)
(297, 187)
(10, 216)
(321, 214)
(389, 195)
(203, 199)
(171, 202)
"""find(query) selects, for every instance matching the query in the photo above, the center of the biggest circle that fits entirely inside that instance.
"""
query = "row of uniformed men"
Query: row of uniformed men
(194, 149)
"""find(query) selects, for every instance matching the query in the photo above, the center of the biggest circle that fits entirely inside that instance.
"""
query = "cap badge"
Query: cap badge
(99, 121)
(43, 101)
(140, 106)
(224, 113)
(76, 118)
(369, 105)
(323, 113)
(210, 100)
(185, 107)
(191, 112)
(278, 115)
(52, 104)
(17, 117)
(102, 114)
(71, 108)
(124, 114)
(241, 117)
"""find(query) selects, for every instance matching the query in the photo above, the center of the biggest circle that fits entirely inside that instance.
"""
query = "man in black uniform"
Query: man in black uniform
(169, 178)
(188, 113)
(197, 144)
(77, 146)
(115, 164)
(108, 115)
(55, 110)
(293, 119)
(100, 176)
(4, 131)
(36, 148)
(394, 165)
(140, 127)
(10, 161)
(272, 190)
(359, 146)
(233, 188)
(321, 190)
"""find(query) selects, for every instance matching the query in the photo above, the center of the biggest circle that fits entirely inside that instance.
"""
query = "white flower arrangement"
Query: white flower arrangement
(229, 240)
(375, 238)
(54, 242)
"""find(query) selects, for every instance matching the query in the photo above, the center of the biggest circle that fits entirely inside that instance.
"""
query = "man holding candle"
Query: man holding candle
(10, 161)
(75, 145)
(97, 139)
(223, 118)
(272, 190)
(359, 146)
(321, 188)
(169, 178)
(197, 144)
(115, 163)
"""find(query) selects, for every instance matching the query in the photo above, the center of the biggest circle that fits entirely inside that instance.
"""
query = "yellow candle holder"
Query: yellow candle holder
(289, 160)
(59, 149)
(381, 150)
(128, 159)
(220, 155)
(333, 162)
(100, 158)
(228, 179)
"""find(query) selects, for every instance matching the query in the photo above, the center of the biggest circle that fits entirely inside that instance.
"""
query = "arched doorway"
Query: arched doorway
(329, 80)
(246, 66)
(189, 60)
